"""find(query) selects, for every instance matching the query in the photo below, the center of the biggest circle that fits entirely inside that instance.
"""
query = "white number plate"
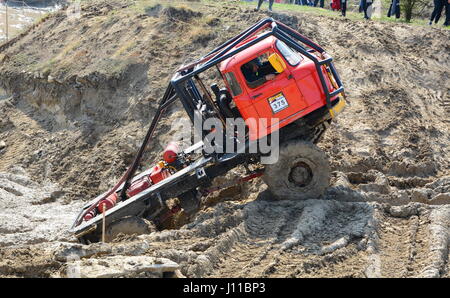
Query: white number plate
(278, 102)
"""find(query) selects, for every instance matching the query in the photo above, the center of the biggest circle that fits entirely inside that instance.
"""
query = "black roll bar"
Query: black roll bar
(280, 31)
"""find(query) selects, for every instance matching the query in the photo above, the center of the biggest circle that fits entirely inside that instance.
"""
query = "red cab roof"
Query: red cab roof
(248, 54)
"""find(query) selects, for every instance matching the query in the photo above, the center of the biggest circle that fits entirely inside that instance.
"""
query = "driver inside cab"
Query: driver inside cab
(257, 73)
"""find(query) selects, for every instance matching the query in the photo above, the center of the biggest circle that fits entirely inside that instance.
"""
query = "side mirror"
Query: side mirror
(277, 62)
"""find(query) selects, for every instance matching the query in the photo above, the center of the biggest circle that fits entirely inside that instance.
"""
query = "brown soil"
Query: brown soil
(76, 99)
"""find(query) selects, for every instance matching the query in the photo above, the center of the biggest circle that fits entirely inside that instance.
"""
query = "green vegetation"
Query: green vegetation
(280, 7)
(411, 9)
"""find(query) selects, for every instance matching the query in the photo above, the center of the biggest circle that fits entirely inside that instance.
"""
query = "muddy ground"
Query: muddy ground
(76, 98)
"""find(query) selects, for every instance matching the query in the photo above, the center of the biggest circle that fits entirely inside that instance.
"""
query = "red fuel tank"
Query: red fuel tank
(170, 154)
(109, 202)
(90, 215)
(159, 174)
(138, 186)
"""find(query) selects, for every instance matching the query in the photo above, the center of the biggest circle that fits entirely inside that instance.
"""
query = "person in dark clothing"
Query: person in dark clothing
(322, 3)
(437, 11)
(256, 73)
(343, 7)
(260, 2)
(364, 5)
(394, 9)
(447, 13)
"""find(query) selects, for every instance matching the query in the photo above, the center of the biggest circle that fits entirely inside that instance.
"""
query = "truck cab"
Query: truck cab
(293, 92)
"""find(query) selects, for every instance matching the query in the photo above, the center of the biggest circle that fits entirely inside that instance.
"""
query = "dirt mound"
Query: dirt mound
(180, 14)
(30, 261)
(375, 186)
(76, 99)
(172, 15)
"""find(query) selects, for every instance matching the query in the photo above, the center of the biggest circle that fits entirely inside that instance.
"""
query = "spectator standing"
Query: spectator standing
(364, 6)
(305, 2)
(260, 2)
(335, 4)
(394, 9)
(437, 11)
(343, 7)
(321, 3)
(447, 13)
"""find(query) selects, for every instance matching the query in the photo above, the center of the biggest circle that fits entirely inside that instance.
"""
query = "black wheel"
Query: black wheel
(128, 226)
(302, 172)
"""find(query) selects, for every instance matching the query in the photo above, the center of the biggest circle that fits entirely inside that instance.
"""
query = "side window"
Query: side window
(291, 56)
(233, 83)
(256, 70)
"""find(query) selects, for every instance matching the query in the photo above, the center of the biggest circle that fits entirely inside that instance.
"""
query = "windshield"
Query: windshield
(292, 57)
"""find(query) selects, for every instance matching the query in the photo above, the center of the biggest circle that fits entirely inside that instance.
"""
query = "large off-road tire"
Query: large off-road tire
(302, 172)
(128, 226)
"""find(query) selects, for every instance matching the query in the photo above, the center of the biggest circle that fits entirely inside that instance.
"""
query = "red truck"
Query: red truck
(268, 72)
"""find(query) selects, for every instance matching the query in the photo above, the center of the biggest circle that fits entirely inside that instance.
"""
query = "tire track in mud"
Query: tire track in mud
(32, 212)
(313, 238)
(365, 237)
(397, 246)
(438, 240)
(353, 240)
(257, 252)
(288, 239)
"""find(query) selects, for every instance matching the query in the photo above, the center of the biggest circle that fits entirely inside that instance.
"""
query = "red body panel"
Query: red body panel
(138, 186)
(107, 203)
(299, 85)
(159, 174)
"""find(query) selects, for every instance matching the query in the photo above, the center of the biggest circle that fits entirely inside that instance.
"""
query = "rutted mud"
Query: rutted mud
(74, 125)
(261, 237)
(31, 212)
(313, 238)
